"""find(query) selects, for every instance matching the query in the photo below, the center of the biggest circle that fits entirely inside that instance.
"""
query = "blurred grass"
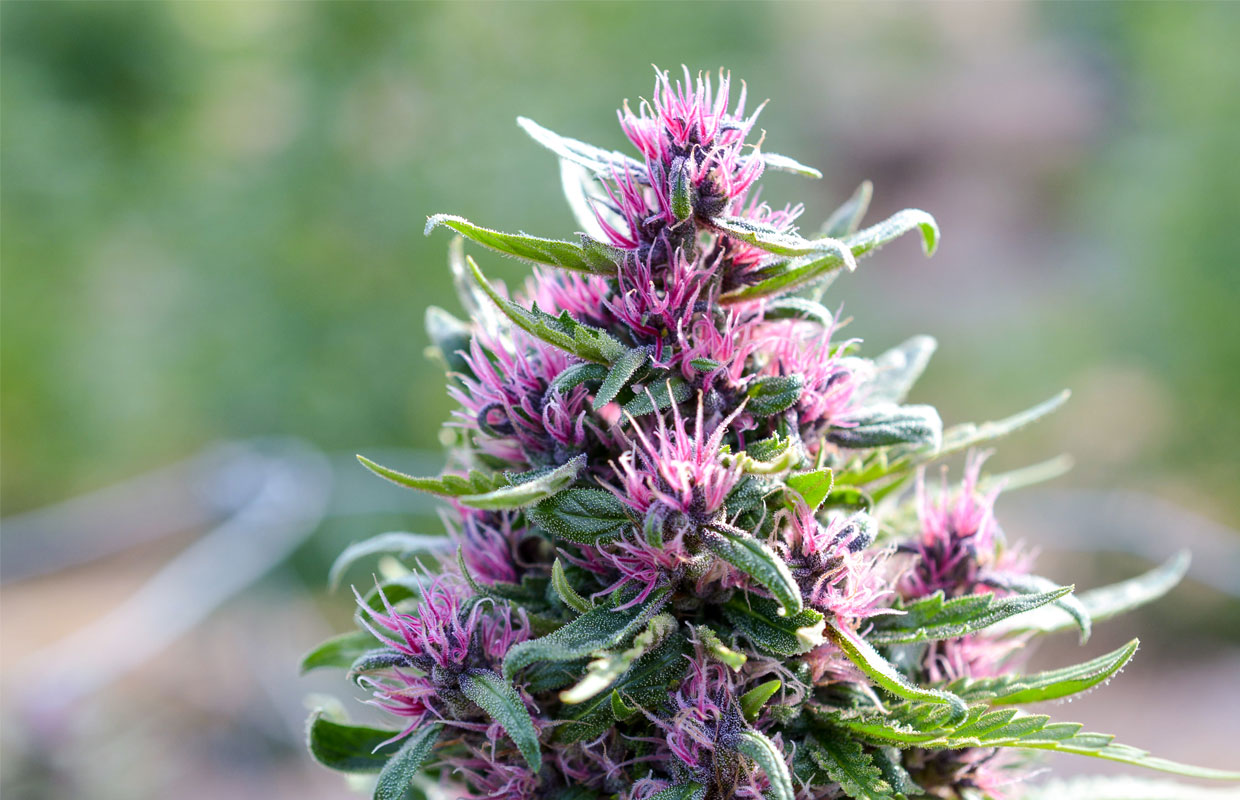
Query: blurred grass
(212, 212)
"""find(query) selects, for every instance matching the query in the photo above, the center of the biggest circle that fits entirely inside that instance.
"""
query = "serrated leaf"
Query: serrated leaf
(445, 485)
(657, 396)
(882, 673)
(888, 425)
(398, 774)
(529, 488)
(896, 370)
(753, 700)
(581, 515)
(962, 437)
(596, 159)
(552, 252)
(813, 487)
(847, 218)
(982, 727)
(610, 665)
(799, 308)
(399, 542)
(757, 560)
(601, 628)
(503, 704)
(566, 591)
(849, 765)
(785, 164)
(338, 651)
(772, 240)
(934, 617)
(644, 685)
(756, 746)
(1048, 685)
(576, 375)
(377, 659)
(801, 271)
(757, 619)
(1107, 601)
(564, 332)
(619, 376)
(772, 394)
(1036, 584)
(348, 748)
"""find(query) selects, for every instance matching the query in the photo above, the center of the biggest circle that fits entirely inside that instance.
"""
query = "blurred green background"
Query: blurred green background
(212, 224)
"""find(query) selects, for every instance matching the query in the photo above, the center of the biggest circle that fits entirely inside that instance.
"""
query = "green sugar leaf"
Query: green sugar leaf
(758, 620)
(844, 760)
(846, 219)
(528, 488)
(1048, 685)
(563, 331)
(753, 700)
(602, 628)
(399, 542)
(934, 617)
(620, 375)
(398, 774)
(552, 252)
(785, 164)
(756, 746)
(595, 159)
(658, 395)
(581, 515)
(566, 591)
(503, 704)
(338, 651)
(348, 748)
(813, 487)
(773, 393)
(757, 560)
(896, 370)
(889, 425)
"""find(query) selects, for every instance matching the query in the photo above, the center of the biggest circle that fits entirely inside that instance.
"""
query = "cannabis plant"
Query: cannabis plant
(693, 549)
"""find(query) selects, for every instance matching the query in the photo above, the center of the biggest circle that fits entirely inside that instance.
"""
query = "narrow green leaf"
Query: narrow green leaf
(552, 252)
(610, 665)
(757, 619)
(681, 189)
(564, 332)
(753, 700)
(1124, 788)
(566, 591)
(774, 393)
(601, 628)
(399, 542)
(757, 560)
(525, 490)
(1108, 601)
(893, 227)
(847, 218)
(756, 746)
(446, 485)
(896, 370)
(619, 375)
(868, 660)
(595, 159)
(338, 651)
(981, 727)
(849, 765)
(376, 659)
(577, 374)
(888, 425)
(785, 164)
(934, 617)
(799, 308)
(348, 748)
(773, 240)
(1036, 584)
(1048, 685)
(584, 516)
(716, 649)
(400, 770)
(962, 437)
(813, 487)
(657, 396)
(503, 704)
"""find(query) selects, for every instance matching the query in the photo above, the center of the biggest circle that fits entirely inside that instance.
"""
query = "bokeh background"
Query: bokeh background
(214, 276)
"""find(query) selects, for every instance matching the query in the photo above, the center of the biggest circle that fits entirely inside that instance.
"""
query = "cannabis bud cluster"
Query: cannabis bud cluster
(692, 549)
